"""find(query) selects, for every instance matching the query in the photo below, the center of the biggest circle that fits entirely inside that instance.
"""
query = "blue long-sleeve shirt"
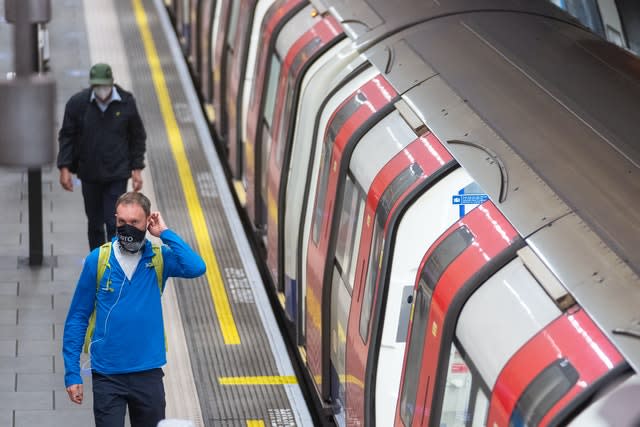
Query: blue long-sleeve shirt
(129, 329)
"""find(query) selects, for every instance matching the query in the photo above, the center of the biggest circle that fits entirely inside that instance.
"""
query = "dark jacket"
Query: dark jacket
(101, 147)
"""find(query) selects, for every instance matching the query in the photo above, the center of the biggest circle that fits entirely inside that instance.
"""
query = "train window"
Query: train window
(447, 251)
(215, 30)
(465, 403)
(398, 186)
(349, 229)
(375, 259)
(543, 393)
(323, 183)
(272, 86)
(233, 24)
(586, 11)
(419, 318)
(340, 304)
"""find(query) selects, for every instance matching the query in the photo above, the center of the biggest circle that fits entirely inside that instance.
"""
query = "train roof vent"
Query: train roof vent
(546, 278)
(411, 118)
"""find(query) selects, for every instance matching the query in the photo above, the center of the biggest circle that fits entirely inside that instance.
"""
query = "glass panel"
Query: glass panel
(445, 253)
(346, 230)
(344, 113)
(356, 237)
(543, 393)
(233, 24)
(340, 304)
(375, 257)
(323, 183)
(398, 186)
(481, 410)
(455, 406)
(420, 316)
(270, 102)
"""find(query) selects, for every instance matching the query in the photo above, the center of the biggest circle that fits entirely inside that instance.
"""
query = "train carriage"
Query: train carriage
(446, 195)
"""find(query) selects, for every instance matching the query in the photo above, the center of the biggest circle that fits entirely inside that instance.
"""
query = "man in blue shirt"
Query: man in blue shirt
(127, 347)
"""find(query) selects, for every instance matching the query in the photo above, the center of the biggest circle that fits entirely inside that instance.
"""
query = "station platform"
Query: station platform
(227, 361)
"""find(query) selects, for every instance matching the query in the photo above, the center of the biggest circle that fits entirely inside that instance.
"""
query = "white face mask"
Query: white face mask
(102, 92)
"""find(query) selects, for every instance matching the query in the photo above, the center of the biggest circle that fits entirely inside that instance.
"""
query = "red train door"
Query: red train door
(239, 37)
(347, 124)
(456, 264)
(559, 369)
(277, 15)
(302, 53)
(410, 171)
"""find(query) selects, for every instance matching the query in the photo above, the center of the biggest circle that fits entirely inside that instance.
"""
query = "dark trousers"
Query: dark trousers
(100, 207)
(142, 391)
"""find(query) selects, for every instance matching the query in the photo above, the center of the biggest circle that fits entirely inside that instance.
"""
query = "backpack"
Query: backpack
(103, 263)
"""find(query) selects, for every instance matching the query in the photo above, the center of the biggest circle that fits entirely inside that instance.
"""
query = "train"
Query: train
(446, 198)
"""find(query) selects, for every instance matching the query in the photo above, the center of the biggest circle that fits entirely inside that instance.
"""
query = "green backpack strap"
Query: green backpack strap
(158, 264)
(103, 263)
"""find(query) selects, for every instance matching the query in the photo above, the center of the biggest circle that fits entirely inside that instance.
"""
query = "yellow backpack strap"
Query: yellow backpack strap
(103, 263)
(158, 264)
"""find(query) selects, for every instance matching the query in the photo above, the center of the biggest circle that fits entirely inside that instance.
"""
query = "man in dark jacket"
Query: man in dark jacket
(102, 140)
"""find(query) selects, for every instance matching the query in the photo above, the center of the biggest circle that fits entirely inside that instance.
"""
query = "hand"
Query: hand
(66, 180)
(136, 179)
(156, 224)
(75, 393)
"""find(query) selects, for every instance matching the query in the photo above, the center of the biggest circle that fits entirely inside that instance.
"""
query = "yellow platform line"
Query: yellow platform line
(259, 380)
(255, 423)
(214, 278)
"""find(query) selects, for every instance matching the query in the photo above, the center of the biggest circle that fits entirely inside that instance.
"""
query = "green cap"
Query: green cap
(100, 74)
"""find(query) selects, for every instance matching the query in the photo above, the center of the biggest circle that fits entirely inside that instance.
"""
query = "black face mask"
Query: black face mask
(131, 239)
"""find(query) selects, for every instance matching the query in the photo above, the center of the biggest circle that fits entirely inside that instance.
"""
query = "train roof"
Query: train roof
(368, 21)
(520, 88)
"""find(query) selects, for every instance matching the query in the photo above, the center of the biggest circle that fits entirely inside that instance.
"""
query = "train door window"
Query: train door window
(186, 17)
(270, 102)
(272, 86)
(465, 402)
(419, 317)
(323, 183)
(349, 230)
(233, 24)
(543, 393)
(340, 305)
(375, 258)
(214, 39)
